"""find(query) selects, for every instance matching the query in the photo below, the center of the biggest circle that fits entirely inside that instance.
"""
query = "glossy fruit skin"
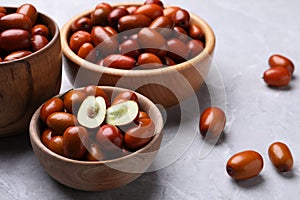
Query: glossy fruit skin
(152, 41)
(162, 22)
(144, 122)
(30, 11)
(143, 115)
(133, 21)
(138, 136)
(180, 30)
(72, 100)
(99, 16)
(158, 2)
(56, 145)
(149, 61)
(130, 47)
(110, 30)
(40, 29)
(94, 153)
(150, 10)
(277, 77)
(131, 9)
(212, 122)
(115, 15)
(281, 156)
(119, 61)
(195, 47)
(104, 5)
(96, 91)
(109, 138)
(15, 39)
(78, 38)
(181, 18)
(107, 44)
(169, 11)
(82, 23)
(52, 105)
(177, 50)
(277, 60)
(75, 139)
(181, 34)
(85, 50)
(58, 122)
(17, 55)
(196, 32)
(15, 21)
(38, 42)
(168, 61)
(244, 165)
(47, 135)
(2, 10)
(124, 96)
(163, 25)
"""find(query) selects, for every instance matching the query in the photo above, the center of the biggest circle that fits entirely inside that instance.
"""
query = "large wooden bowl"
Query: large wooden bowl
(166, 86)
(26, 83)
(99, 175)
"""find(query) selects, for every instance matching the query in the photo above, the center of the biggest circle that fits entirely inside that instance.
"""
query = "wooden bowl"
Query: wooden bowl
(166, 86)
(99, 175)
(27, 82)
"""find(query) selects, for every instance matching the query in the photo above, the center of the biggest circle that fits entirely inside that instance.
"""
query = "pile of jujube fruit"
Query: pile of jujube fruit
(136, 36)
(21, 32)
(280, 72)
(85, 125)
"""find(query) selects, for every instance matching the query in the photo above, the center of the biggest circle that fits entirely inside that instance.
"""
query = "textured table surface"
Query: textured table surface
(247, 33)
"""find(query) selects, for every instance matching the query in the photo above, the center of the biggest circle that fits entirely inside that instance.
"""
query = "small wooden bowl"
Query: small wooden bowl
(166, 86)
(99, 175)
(27, 82)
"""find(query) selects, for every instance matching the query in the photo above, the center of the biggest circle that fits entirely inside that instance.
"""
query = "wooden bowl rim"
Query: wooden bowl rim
(55, 37)
(207, 52)
(35, 137)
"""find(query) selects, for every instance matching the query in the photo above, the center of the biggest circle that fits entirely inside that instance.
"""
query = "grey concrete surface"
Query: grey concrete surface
(247, 33)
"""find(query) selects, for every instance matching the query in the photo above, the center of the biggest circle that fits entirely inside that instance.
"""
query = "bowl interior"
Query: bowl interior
(66, 34)
(47, 21)
(121, 170)
(24, 86)
(166, 86)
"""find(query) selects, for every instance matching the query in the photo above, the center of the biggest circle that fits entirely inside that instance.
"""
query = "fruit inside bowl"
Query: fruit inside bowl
(144, 47)
(30, 50)
(91, 143)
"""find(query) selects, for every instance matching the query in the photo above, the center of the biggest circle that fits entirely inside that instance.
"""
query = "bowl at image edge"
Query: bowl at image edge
(99, 175)
(27, 82)
(166, 86)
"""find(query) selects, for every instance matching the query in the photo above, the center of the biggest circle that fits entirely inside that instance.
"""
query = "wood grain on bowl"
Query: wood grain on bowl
(99, 175)
(166, 86)
(26, 83)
